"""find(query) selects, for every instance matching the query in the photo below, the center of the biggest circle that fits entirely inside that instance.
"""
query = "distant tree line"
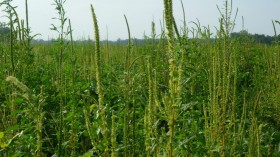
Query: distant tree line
(259, 38)
(4, 29)
(4, 32)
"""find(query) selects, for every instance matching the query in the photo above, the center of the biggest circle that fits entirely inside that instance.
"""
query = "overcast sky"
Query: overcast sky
(140, 13)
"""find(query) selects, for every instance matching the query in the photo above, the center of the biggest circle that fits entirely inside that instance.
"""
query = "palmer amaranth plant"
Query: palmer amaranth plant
(185, 91)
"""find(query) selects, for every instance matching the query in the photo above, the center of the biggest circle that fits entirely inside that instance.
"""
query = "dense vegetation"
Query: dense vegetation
(182, 93)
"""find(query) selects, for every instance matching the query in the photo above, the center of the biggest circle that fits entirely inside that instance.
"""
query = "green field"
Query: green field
(182, 93)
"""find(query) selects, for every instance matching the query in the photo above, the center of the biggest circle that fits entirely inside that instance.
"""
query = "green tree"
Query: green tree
(4, 31)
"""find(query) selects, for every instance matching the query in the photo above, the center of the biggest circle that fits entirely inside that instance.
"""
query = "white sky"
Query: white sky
(140, 13)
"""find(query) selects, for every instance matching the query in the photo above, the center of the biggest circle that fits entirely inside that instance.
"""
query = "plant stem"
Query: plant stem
(99, 86)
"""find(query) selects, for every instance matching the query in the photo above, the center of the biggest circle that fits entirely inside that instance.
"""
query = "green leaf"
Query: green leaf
(87, 154)
(1, 135)
(3, 145)
(92, 107)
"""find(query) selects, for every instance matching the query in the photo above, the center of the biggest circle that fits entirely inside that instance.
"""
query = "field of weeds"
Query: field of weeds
(181, 93)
